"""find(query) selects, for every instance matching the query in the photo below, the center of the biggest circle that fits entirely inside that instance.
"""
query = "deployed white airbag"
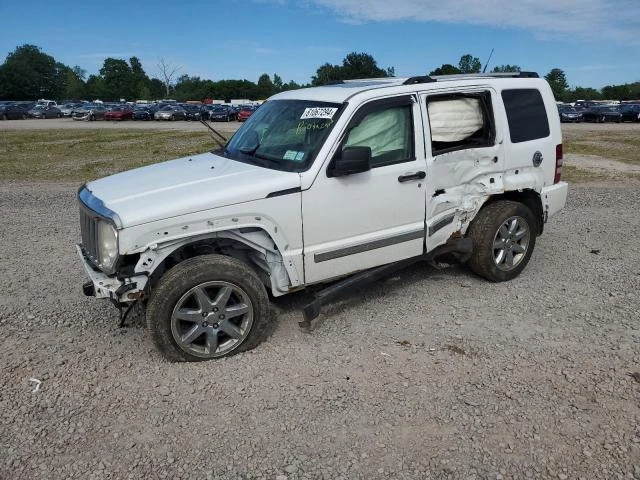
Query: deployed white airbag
(383, 131)
(454, 120)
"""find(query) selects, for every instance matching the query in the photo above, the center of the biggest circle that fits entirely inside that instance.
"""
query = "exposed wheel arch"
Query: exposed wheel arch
(251, 246)
(530, 198)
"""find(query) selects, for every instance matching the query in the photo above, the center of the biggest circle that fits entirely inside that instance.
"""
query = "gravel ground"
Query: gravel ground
(432, 374)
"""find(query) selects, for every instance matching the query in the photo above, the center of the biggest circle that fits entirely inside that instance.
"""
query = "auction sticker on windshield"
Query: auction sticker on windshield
(293, 155)
(319, 112)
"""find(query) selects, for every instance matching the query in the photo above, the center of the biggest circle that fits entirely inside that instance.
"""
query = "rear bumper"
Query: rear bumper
(101, 285)
(554, 198)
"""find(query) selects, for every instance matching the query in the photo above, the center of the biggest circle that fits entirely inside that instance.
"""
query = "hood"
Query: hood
(186, 185)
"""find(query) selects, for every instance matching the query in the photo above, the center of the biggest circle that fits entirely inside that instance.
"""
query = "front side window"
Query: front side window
(526, 114)
(284, 134)
(389, 134)
(460, 121)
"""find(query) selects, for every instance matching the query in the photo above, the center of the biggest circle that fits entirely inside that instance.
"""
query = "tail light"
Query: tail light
(558, 174)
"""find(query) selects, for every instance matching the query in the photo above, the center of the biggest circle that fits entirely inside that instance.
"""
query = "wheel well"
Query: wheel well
(221, 246)
(530, 198)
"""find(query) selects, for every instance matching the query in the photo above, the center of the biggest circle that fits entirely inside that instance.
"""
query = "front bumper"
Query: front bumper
(105, 286)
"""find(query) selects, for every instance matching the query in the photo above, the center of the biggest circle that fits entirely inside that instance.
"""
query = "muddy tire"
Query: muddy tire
(504, 236)
(207, 307)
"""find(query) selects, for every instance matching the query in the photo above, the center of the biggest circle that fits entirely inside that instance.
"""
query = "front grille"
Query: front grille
(89, 231)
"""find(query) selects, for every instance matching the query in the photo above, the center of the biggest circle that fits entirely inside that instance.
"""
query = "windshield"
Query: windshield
(284, 134)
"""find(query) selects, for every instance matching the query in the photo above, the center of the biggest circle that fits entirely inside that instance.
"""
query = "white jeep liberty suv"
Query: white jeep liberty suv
(343, 182)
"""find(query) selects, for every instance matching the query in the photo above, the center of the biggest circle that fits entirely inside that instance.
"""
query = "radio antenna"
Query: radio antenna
(488, 60)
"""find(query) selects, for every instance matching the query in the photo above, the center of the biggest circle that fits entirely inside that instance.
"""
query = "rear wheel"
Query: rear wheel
(4, 116)
(208, 307)
(503, 235)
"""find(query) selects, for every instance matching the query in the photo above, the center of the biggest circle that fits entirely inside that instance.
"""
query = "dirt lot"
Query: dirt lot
(432, 374)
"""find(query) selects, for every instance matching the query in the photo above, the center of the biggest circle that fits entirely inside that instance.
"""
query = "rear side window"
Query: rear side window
(460, 121)
(526, 114)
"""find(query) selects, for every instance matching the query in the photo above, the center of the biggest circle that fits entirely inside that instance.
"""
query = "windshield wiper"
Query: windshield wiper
(216, 136)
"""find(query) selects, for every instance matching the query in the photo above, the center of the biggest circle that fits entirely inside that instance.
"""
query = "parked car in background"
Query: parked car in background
(41, 111)
(222, 113)
(245, 112)
(47, 103)
(68, 108)
(569, 114)
(191, 111)
(90, 112)
(630, 113)
(205, 111)
(122, 112)
(602, 115)
(170, 112)
(13, 111)
(144, 112)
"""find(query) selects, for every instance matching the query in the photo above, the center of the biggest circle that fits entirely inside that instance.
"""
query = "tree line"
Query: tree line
(28, 74)
(556, 77)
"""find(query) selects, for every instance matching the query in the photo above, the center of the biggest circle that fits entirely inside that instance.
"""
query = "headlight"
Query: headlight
(107, 245)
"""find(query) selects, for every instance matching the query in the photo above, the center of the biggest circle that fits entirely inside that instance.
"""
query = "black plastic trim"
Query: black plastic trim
(528, 75)
(441, 223)
(419, 79)
(364, 247)
(288, 191)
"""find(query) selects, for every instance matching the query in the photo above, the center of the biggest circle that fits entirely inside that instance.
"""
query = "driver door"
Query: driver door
(362, 220)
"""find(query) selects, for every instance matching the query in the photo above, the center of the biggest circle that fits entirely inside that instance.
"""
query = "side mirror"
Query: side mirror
(352, 160)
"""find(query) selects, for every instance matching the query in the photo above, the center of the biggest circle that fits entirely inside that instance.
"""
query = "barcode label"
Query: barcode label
(318, 112)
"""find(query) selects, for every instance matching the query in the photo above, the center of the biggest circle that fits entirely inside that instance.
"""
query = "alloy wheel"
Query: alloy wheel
(511, 242)
(212, 319)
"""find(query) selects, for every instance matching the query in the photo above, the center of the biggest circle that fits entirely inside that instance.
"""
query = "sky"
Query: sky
(596, 42)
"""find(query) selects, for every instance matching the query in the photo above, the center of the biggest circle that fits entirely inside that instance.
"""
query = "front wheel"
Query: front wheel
(208, 307)
(503, 235)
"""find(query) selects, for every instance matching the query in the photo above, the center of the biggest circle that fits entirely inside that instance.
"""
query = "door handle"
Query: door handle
(407, 177)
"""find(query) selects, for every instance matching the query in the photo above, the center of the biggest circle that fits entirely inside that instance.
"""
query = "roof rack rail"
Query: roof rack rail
(488, 75)
(419, 79)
